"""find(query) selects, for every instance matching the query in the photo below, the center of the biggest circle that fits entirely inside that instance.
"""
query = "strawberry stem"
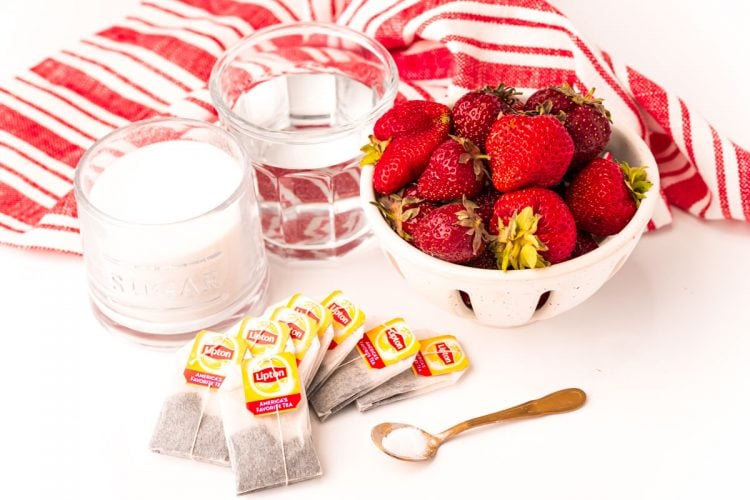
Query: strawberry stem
(516, 245)
(470, 219)
(373, 151)
(636, 181)
(391, 207)
(506, 93)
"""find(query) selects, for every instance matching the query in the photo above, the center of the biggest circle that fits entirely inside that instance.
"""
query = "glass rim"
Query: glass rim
(83, 201)
(285, 29)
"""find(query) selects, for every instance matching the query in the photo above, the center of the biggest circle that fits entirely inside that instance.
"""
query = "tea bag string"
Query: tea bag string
(205, 393)
(281, 438)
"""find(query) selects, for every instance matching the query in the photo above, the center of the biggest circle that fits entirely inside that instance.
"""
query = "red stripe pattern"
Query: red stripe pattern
(157, 60)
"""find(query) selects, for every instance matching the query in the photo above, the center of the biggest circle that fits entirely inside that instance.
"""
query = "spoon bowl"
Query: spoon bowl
(410, 443)
(431, 443)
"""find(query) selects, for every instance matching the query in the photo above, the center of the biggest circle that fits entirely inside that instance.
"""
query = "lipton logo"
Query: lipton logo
(219, 352)
(444, 353)
(308, 312)
(262, 337)
(340, 314)
(267, 375)
(296, 331)
(395, 339)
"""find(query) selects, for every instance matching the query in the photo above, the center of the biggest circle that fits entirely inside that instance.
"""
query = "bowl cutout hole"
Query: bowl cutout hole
(543, 298)
(464, 306)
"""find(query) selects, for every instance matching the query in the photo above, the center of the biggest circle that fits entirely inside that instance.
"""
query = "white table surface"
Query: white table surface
(662, 349)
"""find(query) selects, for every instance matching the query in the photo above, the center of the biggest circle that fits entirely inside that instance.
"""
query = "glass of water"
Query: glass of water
(303, 98)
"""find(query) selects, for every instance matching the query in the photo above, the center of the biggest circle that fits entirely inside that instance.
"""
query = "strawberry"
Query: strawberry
(475, 112)
(584, 244)
(406, 118)
(452, 232)
(485, 260)
(403, 140)
(402, 210)
(528, 151)
(605, 194)
(534, 228)
(585, 117)
(486, 203)
(455, 170)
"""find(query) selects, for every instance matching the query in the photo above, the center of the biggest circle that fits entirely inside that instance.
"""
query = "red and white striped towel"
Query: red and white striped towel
(157, 60)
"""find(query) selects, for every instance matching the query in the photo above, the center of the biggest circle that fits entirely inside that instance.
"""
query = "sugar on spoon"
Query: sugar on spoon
(406, 442)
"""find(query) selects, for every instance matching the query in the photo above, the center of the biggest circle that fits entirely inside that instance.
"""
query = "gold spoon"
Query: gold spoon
(416, 444)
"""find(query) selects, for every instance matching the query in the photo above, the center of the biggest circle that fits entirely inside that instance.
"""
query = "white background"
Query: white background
(662, 349)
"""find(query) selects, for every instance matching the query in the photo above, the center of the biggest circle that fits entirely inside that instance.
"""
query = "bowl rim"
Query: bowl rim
(611, 244)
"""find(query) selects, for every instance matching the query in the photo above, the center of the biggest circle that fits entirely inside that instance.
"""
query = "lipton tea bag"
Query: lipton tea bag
(439, 363)
(348, 325)
(189, 424)
(321, 316)
(304, 334)
(381, 354)
(266, 420)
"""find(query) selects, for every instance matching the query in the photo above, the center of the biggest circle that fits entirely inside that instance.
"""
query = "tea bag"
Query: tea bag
(189, 425)
(322, 318)
(348, 325)
(303, 331)
(440, 362)
(381, 354)
(266, 420)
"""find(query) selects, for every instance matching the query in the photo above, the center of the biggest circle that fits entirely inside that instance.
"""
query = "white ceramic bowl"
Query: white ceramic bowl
(510, 299)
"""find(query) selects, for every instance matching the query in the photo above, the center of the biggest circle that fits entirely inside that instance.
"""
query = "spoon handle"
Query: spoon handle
(557, 402)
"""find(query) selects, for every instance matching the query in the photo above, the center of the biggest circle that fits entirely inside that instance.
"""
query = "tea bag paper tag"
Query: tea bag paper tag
(387, 344)
(320, 316)
(301, 327)
(210, 358)
(271, 383)
(347, 317)
(262, 335)
(438, 356)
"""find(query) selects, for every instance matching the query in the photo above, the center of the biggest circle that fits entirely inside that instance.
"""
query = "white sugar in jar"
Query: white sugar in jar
(170, 229)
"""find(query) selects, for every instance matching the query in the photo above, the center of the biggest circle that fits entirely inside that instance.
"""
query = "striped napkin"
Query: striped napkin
(157, 60)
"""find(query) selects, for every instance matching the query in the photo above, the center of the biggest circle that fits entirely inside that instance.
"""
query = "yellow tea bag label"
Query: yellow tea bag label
(263, 335)
(313, 309)
(439, 355)
(387, 344)
(301, 327)
(210, 357)
(347, 317)
(271, 383)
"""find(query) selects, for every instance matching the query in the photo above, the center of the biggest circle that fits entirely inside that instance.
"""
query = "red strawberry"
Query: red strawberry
(584, 244)
(404, 139)
(585, 117)
(605, 194)
(406, 118)
(452, 232)
(475, 112)
(534, 228)
(485, 260)
(559, 100)
(528, 151)
(402, 210)
(455, 170)
(486, 203)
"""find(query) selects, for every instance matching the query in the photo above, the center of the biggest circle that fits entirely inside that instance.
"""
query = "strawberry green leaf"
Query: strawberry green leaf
(636, 180)
(373, 151)
(516, 246)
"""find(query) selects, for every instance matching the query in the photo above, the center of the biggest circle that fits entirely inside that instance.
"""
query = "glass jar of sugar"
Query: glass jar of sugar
(170, 227)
